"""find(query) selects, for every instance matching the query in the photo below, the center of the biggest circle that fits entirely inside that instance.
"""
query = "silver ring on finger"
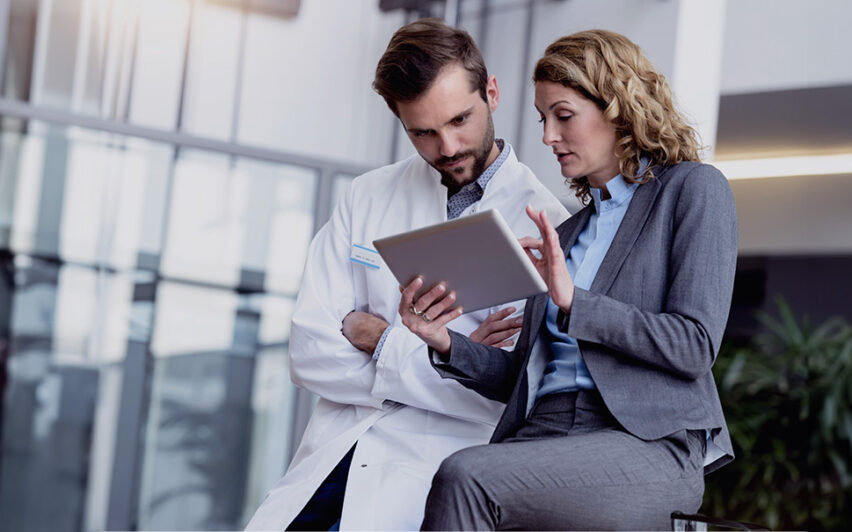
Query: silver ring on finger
(425, 317)
(415, 311)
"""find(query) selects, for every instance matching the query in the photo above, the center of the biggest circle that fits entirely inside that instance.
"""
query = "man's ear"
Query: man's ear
(492, 92)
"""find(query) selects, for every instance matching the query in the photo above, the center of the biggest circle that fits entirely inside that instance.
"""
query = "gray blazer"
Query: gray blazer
(650, 326)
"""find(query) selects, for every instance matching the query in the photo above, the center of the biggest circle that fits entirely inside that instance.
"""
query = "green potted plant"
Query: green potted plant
(788, 402)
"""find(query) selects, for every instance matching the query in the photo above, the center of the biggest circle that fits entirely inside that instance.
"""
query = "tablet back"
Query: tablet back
(477, 255)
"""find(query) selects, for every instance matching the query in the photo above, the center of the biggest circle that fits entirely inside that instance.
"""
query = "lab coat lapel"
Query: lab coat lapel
(429, 206)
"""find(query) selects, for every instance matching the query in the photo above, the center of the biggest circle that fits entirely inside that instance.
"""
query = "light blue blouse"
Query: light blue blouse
(566, 371)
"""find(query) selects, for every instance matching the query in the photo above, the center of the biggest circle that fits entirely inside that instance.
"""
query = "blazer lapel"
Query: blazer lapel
(625, 237)
(570, 229)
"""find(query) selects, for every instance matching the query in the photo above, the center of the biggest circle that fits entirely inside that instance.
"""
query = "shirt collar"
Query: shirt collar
(619, 189)
(489, 172)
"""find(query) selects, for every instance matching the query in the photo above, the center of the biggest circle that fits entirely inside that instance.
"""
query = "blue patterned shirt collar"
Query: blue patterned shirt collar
(472, 192)
(489, 172)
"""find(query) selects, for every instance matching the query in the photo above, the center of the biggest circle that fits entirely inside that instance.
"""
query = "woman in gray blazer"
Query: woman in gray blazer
(612, 415)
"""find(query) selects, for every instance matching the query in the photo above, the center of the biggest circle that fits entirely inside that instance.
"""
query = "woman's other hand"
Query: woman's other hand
(428, 315)
(551, 266)
(497, 329)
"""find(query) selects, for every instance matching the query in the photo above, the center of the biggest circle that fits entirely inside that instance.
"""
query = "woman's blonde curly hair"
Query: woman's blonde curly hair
(610, 70)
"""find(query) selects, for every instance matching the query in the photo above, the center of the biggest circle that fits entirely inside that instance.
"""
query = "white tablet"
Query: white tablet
(477, 255)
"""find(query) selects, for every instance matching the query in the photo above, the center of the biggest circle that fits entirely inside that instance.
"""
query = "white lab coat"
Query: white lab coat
(404, 417)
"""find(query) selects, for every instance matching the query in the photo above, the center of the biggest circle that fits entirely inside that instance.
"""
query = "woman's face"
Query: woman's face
(574, 126)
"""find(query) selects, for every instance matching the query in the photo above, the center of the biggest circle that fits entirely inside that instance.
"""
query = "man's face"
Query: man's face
(451, 127)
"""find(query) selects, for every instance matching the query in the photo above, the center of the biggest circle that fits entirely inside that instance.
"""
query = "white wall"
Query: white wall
(794, 215)
(786, 44)
(307, 86)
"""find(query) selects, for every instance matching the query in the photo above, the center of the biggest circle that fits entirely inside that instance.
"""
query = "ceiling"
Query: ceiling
(785, 123)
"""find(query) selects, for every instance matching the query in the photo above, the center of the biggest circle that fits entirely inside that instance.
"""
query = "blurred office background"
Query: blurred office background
(165, 163)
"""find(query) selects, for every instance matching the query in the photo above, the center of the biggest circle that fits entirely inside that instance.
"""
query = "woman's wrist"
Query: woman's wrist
(566, 300)
(441, 345)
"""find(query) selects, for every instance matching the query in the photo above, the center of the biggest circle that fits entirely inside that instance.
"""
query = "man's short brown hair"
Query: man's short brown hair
(418, 52)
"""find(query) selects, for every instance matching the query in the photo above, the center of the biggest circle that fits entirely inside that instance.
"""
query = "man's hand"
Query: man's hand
(496, 329)
(428, 316)
(363, 330)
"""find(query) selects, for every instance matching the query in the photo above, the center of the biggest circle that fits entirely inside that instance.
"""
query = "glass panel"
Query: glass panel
(188, 440)
(272, 403)
(19, 49)
(100, 208)
(22, 167)
(107, 185)
(219, 361)
(79, 52)
(55, 65)
(92, 315)
(280, 221)
(159, 63)
(253, 215)
(213, 71)
(60, 399)
(84, 196)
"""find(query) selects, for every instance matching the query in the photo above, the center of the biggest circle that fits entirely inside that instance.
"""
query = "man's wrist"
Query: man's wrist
(377, 351)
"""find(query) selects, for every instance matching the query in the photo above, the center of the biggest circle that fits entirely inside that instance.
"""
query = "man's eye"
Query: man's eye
(420, 134)
(459, 120)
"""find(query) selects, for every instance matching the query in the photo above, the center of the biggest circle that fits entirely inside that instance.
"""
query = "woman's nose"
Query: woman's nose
(550, 133)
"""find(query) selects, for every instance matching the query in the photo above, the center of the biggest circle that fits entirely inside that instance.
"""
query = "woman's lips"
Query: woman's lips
(561, 157)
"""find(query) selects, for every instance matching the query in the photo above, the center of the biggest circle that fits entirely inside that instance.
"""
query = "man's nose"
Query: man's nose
(449, 144)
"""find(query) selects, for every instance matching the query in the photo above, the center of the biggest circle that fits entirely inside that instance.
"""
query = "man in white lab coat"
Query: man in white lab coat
(385, 420)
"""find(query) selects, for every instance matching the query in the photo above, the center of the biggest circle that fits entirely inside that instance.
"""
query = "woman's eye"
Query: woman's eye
(563, 118)
(541, 119)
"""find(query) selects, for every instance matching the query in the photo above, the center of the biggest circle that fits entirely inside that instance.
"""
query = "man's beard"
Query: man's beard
(480, 158)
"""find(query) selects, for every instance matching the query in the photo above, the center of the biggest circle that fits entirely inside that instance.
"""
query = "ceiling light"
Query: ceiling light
(786, 166)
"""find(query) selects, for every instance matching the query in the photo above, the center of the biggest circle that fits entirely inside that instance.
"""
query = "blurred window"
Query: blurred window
(149, 263)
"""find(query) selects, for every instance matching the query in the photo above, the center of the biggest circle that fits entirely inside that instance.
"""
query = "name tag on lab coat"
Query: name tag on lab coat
(365, 256)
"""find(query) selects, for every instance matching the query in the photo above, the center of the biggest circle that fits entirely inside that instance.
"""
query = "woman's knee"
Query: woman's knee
(461, 467)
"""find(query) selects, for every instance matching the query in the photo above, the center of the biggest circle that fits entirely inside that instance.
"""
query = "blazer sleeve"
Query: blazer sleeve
(487, 370)
(685, 337)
